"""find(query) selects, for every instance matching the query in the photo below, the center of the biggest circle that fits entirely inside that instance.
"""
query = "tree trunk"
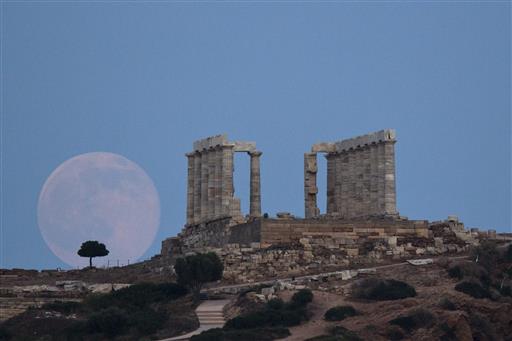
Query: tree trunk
(90, 262)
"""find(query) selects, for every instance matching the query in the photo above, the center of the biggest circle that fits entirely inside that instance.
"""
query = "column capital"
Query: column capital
(255, 153)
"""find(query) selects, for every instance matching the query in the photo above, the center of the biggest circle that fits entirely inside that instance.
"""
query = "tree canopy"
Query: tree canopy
(92, 248)
(196, 270)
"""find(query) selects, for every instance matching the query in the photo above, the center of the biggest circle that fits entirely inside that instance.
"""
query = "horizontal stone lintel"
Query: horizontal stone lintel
(222, 140)
(386, 135)
(244, 146)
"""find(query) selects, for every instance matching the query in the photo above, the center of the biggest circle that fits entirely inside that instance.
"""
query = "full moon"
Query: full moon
(99, 196)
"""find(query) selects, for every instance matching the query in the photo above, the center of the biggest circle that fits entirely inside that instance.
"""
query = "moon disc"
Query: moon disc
(99, 196)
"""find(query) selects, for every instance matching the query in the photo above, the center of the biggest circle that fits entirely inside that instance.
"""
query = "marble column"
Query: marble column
(190, 188)
(218, 182)
(227, 179)
(389, 178)
(255, 186)
(204, 184)
(211, 184)
(197, 187)
(310, 187)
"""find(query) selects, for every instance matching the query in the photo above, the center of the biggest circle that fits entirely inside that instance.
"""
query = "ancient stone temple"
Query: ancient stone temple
(361, 224)
(210, 189)
(360, 176)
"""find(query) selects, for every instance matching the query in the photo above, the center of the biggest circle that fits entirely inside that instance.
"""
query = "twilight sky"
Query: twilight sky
(144, 80)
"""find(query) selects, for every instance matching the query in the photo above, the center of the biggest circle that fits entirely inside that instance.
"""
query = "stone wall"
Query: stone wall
(341, 234)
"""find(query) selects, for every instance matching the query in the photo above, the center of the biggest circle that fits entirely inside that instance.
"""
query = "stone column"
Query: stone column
(331, 183)
(346, 184)
(211, 184)
(310, 187)
(374, 176)
(389, 178)
(197, 187)
(190, 188)
(227, 179)
(204, 184)
(218, 182)
(338, 183)
(255, 189)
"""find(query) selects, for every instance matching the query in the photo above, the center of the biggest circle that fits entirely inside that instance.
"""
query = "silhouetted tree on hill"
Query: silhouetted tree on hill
(92, 248)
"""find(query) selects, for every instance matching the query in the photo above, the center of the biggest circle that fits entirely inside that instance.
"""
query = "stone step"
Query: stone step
(210, 314)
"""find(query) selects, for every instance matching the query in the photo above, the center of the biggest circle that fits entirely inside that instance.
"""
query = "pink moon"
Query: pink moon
(99, 196)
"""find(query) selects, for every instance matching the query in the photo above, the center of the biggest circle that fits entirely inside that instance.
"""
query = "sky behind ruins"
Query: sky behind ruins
(146, 79)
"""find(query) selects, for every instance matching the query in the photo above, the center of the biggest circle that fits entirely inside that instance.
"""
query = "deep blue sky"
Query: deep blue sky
(146, 79)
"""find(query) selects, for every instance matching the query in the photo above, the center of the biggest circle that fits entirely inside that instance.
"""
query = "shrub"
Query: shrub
(275, 314)
(469, 270)
(338, 333)
(487, 254)
(506, 290)
(111, 321)
(66, 307)
(394, 332)
(447, 304)
(416, 319)
(195, 270)
(473, 289)
(508, 254)
(481, 327)
(5, 334)
(339, 313)
(302, 297)
(382, 289)
(275, 303)
(148, 321)
(137, 296)
(259, 334)
(447, 332)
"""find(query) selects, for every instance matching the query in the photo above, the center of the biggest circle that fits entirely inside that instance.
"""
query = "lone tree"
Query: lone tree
(196, 270)
(92, 248)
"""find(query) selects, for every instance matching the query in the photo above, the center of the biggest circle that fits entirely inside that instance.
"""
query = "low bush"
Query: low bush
(481, 327)
(276, 313)
(487, 254)
(275, 304)
(447, 332)
(5, 334)
(473, 289)
(258, 334)
(111, 322)
(302, 297)
(394, 333)
(136, 296)
(339, 313)
(508, 254)
(337, 333)
(382, 289)
(148, 321)
(447, 304)
(415, 319)
(64, 307)
(468, 270)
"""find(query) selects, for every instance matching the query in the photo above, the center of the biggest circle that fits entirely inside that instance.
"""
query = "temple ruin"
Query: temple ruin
(360, 176)
(210, 188)
(361, 223)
